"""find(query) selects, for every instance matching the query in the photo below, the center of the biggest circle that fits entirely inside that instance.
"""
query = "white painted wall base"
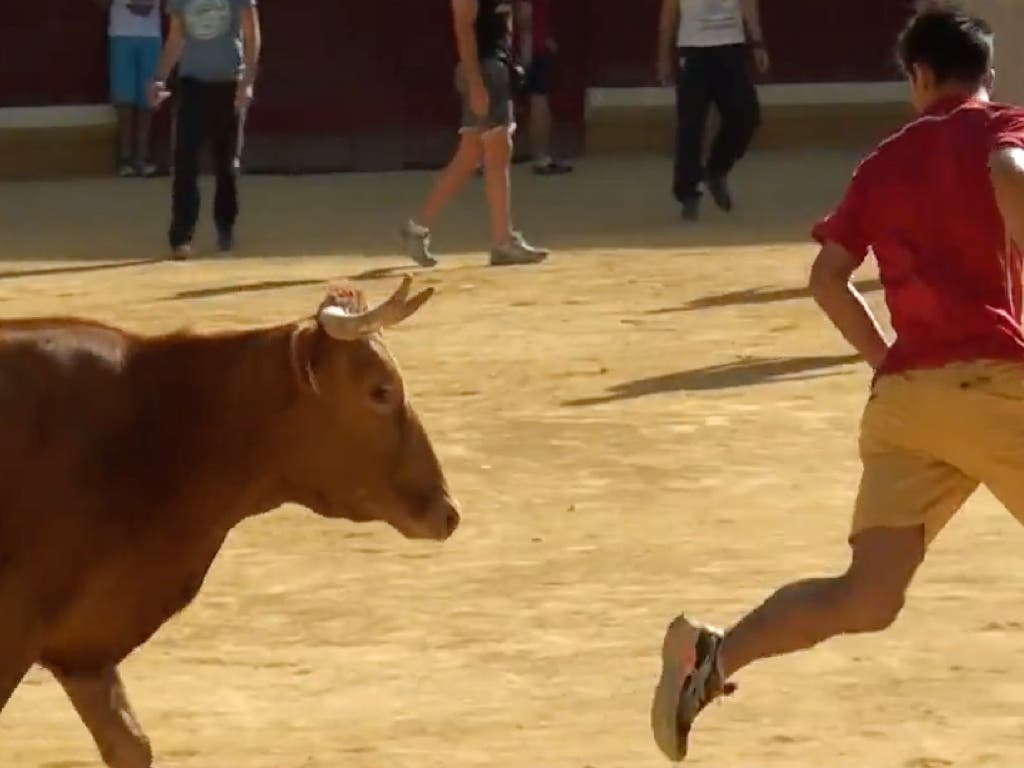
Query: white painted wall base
(798, 94)
(56, 117)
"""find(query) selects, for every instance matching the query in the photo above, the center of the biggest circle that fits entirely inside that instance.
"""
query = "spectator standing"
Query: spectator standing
(135, 33)
(538, 52)
(216, 46)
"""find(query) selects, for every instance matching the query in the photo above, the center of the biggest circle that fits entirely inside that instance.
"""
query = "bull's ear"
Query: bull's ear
(306, 344)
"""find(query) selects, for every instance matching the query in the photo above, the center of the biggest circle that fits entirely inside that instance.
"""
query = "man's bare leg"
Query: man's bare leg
(143, 141)
(125, 139)
(867, 598)
(453, 178)
(497, 146)
(102, 703)
(697, 661)
(540, 129)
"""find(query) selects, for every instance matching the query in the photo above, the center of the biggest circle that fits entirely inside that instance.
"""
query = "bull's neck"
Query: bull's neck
(229, 394)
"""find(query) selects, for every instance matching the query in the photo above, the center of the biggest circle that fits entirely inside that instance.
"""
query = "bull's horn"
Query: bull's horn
(346, 326)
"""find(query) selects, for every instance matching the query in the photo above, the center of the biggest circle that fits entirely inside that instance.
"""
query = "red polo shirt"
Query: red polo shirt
(923, 203)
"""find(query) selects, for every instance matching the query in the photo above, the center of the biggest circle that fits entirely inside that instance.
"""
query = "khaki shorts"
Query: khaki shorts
(930, 438)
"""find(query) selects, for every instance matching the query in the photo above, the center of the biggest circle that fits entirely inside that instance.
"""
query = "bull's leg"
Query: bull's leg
(18, 639)
(102, 703)
(13, 667)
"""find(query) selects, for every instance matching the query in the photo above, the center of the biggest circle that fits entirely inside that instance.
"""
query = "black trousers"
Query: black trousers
(206, 112)
(720, 76)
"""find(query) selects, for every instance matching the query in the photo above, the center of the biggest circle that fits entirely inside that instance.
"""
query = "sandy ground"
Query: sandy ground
(657, 419)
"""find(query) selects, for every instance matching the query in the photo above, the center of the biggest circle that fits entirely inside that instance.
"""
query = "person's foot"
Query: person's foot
(147, 169)
(417, 244)
(181, 251)
(517, 251)
(125, 168)
(226, 239)
(691, 678)
(690, 210)
(551, 167)
(718, 187)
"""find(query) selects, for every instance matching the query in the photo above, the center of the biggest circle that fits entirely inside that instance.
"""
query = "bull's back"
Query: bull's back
(61, 393)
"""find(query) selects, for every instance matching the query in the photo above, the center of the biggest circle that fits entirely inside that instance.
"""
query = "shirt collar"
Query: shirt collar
(946, 104)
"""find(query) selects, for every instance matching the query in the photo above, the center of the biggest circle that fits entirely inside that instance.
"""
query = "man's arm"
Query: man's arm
(173, 47)
(252, 43)
(464, 14)
(169, 57)
(668, 30)
(843, 304)
(1007, 172)
(464, 18)
(751, 10)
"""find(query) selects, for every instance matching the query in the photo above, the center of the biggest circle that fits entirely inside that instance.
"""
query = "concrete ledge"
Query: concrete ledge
(839, 115)
(57, 141)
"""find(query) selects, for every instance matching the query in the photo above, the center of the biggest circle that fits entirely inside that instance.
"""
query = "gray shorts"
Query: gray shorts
(499, 88)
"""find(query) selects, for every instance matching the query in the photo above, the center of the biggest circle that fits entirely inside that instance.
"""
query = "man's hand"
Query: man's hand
(243, 96)
(158, 93)
(668, 29)
(762, 60)
(479, 99)
(552, 45)
(666, 70)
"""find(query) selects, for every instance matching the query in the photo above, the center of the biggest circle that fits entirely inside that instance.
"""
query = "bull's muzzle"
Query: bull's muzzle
(442, 518)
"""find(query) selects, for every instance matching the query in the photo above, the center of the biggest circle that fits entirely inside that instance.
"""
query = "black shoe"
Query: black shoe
(691, 209)
(718, 187)
(552, 167)
(226, 240)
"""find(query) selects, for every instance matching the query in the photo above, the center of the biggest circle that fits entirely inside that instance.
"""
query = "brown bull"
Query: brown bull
(125, 461)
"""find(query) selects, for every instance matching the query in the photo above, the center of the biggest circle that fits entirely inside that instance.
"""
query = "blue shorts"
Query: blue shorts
(133, 62)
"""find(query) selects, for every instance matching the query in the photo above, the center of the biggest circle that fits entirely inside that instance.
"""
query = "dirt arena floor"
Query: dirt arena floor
(657, 419)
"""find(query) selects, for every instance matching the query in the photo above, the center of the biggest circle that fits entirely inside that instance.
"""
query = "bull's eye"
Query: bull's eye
(382, 394)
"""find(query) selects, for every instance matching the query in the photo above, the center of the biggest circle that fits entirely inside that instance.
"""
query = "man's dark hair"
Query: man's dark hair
(956, 46)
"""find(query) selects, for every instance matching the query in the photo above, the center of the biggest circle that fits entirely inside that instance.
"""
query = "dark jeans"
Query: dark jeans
(205, 111)
(720, 76)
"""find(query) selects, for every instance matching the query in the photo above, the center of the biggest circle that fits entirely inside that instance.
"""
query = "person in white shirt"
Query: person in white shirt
(135, 33)
(704, 48)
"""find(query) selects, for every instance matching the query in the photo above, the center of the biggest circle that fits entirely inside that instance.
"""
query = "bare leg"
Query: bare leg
(497, 161)
(867, 598)
(102, 703)
(143, 125)
(125, 136)
(452, 178)
(540, 128)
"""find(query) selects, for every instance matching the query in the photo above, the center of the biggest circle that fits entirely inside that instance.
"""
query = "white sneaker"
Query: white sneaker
(690, 680)
(417, 244)
(517, 251)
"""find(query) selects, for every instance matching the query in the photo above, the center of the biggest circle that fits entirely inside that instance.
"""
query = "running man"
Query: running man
(941, 205)
(483, 34)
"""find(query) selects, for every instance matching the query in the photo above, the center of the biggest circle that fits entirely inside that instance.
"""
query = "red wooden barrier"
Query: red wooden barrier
(350, 84)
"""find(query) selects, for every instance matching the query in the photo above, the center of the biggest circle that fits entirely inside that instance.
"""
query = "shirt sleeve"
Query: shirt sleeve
(847, 225)
(1009, 130)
